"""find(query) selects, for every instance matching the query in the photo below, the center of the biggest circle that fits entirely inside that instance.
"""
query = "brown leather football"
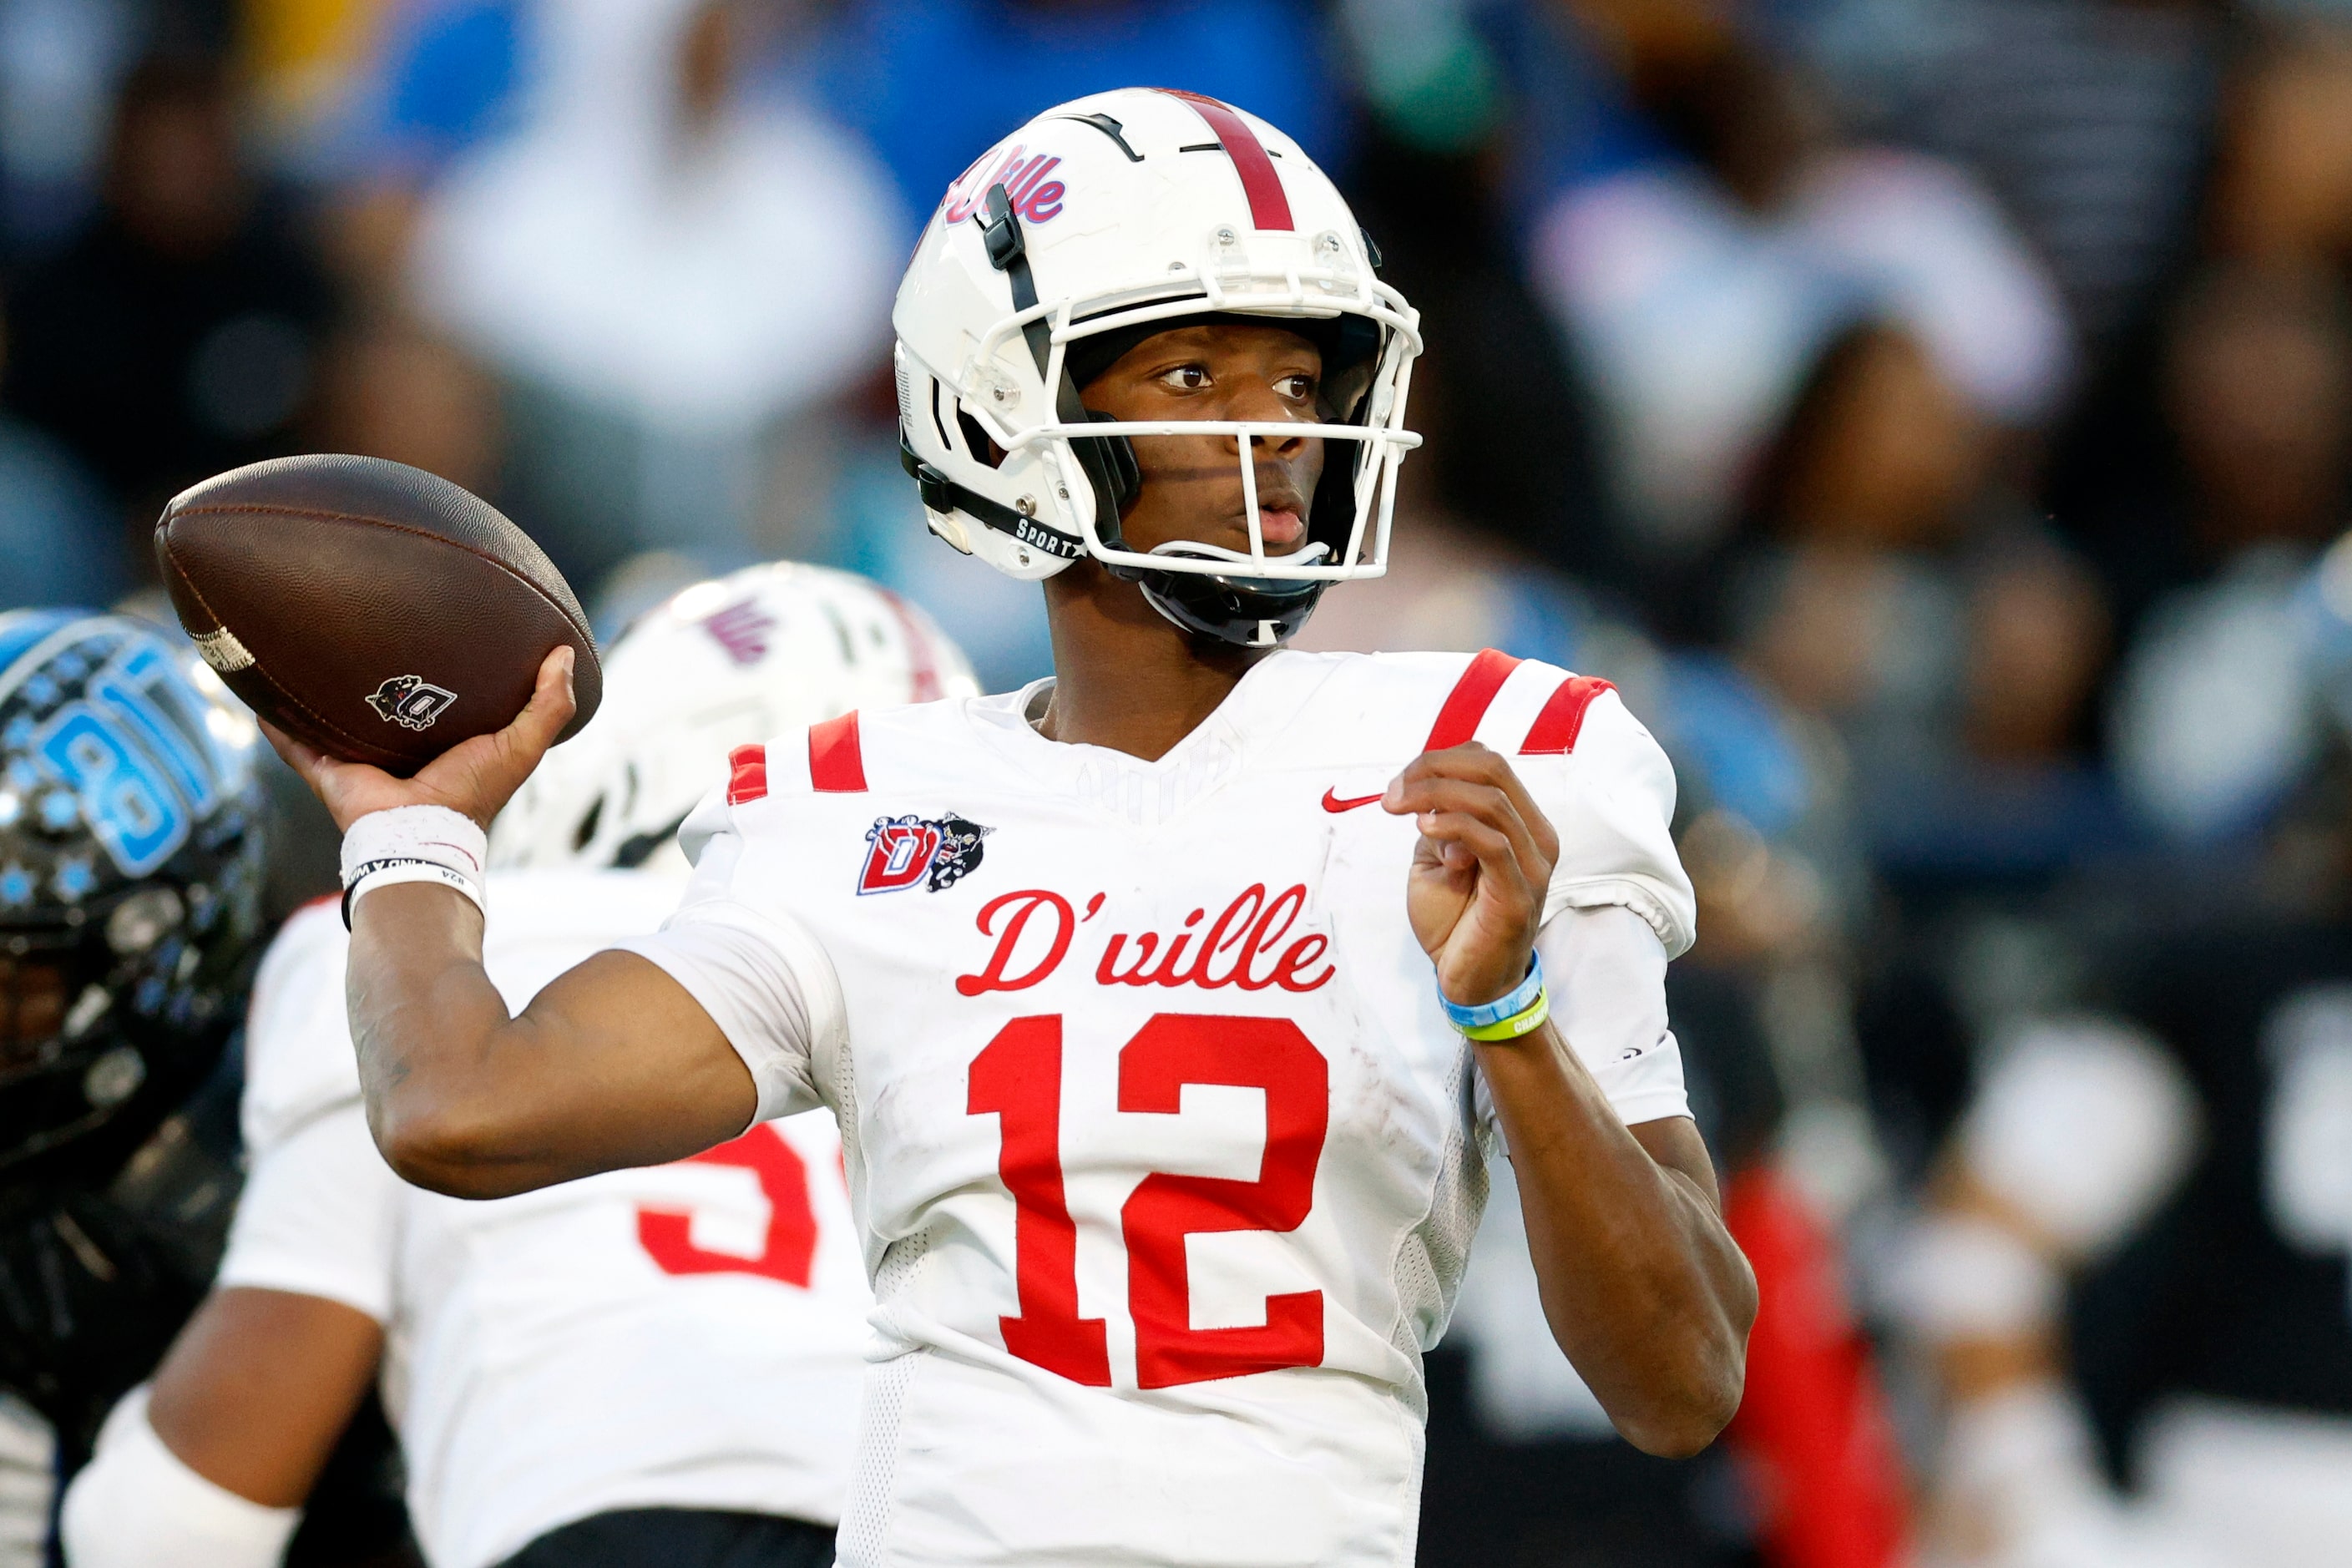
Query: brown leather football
(372, 609)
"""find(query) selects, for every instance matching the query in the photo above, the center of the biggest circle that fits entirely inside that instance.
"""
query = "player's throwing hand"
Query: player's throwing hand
(475, 777)
(1476, 891)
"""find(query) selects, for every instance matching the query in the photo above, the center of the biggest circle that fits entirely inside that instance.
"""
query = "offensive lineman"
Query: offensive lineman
(654, 1367)
(1167, 1149)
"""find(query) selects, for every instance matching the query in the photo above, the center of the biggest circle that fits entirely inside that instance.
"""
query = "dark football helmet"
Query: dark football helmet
(131, 862)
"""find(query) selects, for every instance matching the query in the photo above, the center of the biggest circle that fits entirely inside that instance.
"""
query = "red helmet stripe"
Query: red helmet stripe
(836, 765)
(746, 775)
(1269, 207)
(1468, 703)
(1555, 731)
(924, 672)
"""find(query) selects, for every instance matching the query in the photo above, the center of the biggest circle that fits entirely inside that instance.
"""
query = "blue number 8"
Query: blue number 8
(135, 816)
(138, 690)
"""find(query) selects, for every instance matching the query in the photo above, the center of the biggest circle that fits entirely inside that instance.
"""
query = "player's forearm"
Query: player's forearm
(612, 1064)
(444, 1105)
(258, 1386)
(1645, 1288)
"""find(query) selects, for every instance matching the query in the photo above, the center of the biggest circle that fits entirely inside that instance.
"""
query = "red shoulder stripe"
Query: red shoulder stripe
(1469, 701)
(1555, 731)
(1269, 205)
(746, 775)
(836, 765)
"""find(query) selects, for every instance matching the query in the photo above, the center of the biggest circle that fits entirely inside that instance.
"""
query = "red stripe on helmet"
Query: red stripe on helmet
(1555, 731)
(1269, 207)
(923, 671)
(746, 775)
(1468, 703)
(836, 764)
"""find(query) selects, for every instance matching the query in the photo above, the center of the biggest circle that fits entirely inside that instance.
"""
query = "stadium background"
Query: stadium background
(1933, 414)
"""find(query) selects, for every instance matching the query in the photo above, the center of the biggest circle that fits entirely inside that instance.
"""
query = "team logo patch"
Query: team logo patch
(411, 701)
(902, 852)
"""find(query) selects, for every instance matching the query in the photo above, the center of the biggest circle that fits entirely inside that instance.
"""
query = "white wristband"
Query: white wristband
(137, 1503)
(414, 844)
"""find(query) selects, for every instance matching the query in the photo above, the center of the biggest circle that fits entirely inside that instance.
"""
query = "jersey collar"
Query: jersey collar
(1262, 703)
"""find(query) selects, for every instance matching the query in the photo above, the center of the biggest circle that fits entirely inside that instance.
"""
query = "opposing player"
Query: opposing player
(131, 864)
(1168, 1008)
(650, 1367)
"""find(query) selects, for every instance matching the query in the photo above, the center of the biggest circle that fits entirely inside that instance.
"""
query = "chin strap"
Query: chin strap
(1248, 612)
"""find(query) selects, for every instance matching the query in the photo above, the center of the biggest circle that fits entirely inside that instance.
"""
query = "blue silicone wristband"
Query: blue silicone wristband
(1502, 1007)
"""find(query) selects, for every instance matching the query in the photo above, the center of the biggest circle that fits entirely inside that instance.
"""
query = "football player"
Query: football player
(132, 863)
(656, 1366)
(1168, 1008)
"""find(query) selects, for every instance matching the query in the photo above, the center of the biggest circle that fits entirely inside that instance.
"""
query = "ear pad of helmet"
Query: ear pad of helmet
(1110, 463)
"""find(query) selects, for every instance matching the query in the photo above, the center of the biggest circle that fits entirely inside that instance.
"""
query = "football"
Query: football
(379, 612)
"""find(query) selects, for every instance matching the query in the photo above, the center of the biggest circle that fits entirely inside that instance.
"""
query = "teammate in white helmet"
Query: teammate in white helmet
(655, 1367)
(1170, 1007)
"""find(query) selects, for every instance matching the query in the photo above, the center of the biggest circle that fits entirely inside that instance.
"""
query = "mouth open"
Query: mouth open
(1281, 527)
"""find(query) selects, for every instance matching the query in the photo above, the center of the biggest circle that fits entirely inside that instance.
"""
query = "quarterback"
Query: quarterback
(654, 1367)
(1171, 1009)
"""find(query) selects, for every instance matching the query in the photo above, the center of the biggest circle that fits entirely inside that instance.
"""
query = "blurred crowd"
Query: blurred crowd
(1935, 416)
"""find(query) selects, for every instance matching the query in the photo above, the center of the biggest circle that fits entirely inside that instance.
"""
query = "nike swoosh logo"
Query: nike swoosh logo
(1331, 801)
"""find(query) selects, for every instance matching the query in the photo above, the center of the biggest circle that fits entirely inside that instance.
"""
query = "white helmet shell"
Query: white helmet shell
(759, 653)
(1104, 214)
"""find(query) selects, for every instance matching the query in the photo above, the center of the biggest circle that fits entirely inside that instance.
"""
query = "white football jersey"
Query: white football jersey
(1167, 1158)
(688, 1335)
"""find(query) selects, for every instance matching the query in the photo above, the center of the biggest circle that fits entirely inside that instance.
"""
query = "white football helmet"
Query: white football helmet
(763, 652)
(1126, 209)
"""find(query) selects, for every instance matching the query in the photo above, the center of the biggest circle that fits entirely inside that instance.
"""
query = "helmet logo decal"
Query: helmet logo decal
(1269, 205)
(139, 776)
(411, 701)
(903, 852)
(742, 628)
(1037, 198)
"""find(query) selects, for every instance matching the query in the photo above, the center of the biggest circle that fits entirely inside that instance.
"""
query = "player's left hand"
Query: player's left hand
(1475, 892)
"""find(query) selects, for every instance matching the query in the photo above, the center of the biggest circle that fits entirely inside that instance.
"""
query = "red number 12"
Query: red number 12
(1018, 1079)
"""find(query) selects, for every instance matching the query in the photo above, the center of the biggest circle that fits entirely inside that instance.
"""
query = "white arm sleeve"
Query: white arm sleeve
(136, 1505)
(319, 1217)
(1612, 801)
(763, 977)
(1605, 969)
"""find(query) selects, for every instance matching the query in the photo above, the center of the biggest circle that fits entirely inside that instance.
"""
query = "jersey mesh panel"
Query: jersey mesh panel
(1431, 1257)
(844, 1073)
(897, 1266)
(866, 1526)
